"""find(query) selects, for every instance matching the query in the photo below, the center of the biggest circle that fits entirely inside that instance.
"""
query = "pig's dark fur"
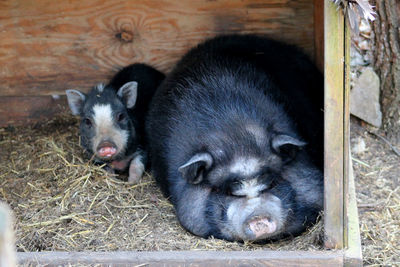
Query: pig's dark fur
(127, 134)
(240, 97)
(148, 80)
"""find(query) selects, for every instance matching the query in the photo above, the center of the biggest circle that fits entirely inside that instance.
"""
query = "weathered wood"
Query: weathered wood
(334, 125)
(46, 48)
(352, 240)
(18, 110)
(353, 253)
(7, 244)
(346, 127)
(187, 258)
(319, 33)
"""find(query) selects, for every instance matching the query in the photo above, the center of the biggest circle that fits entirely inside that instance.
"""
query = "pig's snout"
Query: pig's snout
(258, 227)
(106, 149)
(256, 218)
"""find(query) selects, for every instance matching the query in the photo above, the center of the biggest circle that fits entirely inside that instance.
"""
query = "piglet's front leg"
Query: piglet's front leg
(137, 167)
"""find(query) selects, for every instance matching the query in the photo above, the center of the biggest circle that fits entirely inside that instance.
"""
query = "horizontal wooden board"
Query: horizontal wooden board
(46, 48)
(186, 258)
(18, 110)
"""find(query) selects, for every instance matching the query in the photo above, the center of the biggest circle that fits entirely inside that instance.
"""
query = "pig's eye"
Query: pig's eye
(87, 122)
(269, 186)
(121, 117)
(228, 192)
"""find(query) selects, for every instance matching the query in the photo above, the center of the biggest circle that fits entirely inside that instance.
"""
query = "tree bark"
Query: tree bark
(386, 61)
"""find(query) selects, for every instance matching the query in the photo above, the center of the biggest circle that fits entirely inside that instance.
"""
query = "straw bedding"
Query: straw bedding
(63, 202)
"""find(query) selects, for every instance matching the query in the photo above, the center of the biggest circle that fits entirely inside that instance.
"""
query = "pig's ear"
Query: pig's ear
(75, 101)
(286, 146)
(193, 170)
(128, 93)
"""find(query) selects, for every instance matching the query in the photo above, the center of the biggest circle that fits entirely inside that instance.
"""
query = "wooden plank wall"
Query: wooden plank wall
(48, 46)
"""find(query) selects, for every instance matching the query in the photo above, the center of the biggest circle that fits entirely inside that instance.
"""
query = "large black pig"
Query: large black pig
(236, 138)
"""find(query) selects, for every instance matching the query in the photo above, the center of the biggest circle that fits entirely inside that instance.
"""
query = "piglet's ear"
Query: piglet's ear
(75, 101)
(193, 170)
(286, 146)
(128, 93)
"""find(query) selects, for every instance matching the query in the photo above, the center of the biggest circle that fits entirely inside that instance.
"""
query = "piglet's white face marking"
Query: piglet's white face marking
(245, 166)
(106, 130)
(250, 188)
(102, 116)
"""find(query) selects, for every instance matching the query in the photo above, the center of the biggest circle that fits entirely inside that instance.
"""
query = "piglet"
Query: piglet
(113, 116)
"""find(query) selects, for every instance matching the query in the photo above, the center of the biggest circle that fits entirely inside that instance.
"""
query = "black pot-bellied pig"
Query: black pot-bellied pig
(113, 116)
(236, 139)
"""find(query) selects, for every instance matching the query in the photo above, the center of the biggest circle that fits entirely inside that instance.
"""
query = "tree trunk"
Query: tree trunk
(386, 61)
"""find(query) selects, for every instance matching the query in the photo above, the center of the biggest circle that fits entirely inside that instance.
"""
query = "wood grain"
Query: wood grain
(19, 110)
(46, 48)
(352, 239)
(319, 34)
(346, 128)
(334, 126)
(186, 258)
(353, 252)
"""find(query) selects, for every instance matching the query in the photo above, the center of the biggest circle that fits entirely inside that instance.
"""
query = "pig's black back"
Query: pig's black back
(284, 73)
(148, 80)
(296, 82)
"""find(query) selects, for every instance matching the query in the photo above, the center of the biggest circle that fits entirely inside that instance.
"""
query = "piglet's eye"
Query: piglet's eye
(121, 117)
(87, 122)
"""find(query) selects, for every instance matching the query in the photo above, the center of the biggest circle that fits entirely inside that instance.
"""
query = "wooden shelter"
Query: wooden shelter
(49, 46)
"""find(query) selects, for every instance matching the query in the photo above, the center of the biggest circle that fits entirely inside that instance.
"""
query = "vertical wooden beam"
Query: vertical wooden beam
(319, 34)
(7, 240)
(334, 124)
(346, 129)
(352, 241)
(353, 253)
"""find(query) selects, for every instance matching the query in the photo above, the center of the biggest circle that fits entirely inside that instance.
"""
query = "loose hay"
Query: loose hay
(63, 202)
(377, 181)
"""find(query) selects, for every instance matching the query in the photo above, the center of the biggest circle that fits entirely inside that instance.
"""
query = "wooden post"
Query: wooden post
(334, 124)
(353, 254)
(319, 34)
(352, 240)
(7, 248)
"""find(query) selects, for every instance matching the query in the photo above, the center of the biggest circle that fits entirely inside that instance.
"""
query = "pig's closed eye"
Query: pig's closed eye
(121, 117)
(87, 122)
(270, 185)
(233, 194)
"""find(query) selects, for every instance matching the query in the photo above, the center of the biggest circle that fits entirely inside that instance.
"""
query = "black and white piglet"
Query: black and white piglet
(113, 117)
(236, 137)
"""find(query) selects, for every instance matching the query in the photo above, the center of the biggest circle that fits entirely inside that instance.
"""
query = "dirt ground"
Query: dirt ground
(61, 202)
(377, 172)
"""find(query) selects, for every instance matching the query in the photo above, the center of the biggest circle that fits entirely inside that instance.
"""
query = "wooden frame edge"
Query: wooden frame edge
(319, 34)
(352, 239)
(183, 258)
(353, 253)
(334, 129)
